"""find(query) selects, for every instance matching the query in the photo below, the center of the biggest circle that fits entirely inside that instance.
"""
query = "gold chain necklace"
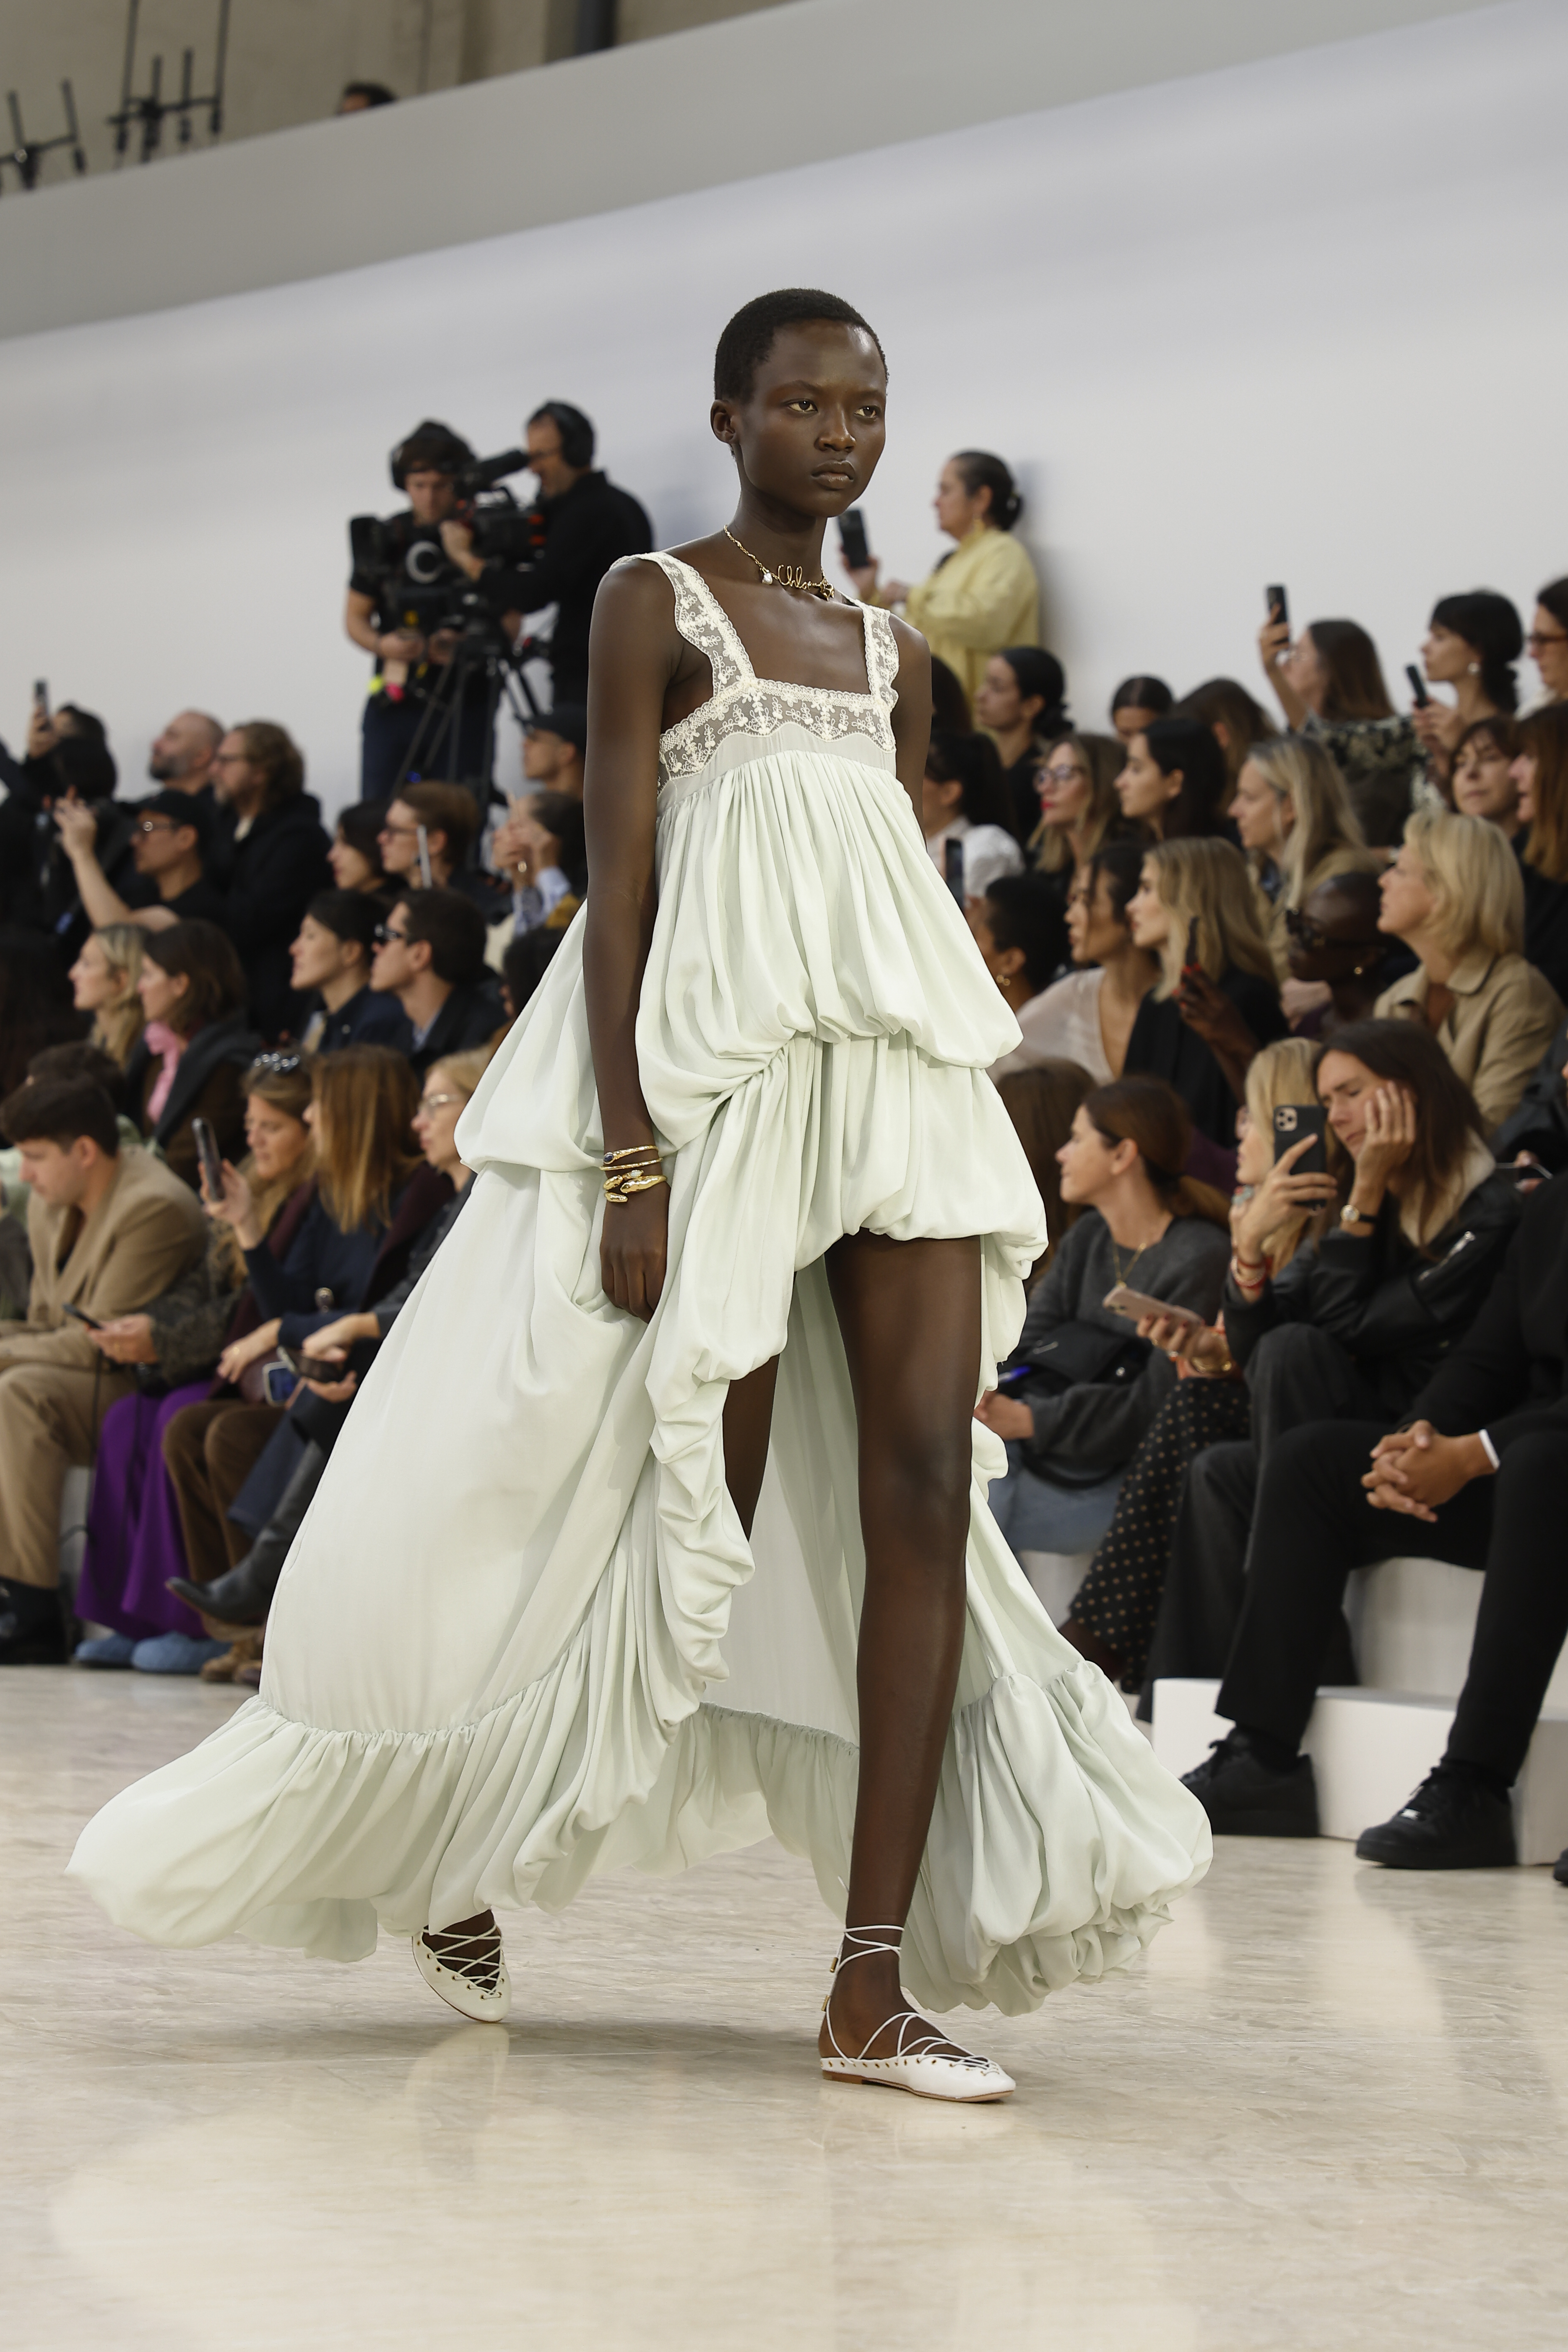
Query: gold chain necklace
(786, 576)
(1123, 1272)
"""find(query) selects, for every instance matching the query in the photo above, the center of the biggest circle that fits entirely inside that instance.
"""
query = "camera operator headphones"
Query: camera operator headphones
(576, 430)
(433, 446)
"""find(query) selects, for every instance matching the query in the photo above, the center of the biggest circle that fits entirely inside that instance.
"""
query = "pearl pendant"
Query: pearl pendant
(767, 580)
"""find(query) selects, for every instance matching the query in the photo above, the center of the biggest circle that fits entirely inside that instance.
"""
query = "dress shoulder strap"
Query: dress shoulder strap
(701, 620)
(881, 654)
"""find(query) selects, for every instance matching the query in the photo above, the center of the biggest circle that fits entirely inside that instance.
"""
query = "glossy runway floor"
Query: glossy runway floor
(1329, 2110)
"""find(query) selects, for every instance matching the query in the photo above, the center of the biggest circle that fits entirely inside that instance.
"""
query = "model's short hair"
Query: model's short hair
(59, 1110)
(757, 325)
(454, 930)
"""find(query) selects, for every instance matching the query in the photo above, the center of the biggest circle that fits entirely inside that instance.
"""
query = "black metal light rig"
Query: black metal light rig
(149, 112)
(26, 155)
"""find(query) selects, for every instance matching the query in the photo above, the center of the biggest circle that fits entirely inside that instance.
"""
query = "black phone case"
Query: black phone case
(1291, 1122)
(852, 538)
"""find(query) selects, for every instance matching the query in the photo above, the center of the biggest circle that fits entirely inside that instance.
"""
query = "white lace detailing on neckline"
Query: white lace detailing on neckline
(743, 704)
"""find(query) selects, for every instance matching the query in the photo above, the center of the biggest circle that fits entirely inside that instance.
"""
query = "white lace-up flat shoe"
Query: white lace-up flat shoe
(477, 1983)
(921, 2060)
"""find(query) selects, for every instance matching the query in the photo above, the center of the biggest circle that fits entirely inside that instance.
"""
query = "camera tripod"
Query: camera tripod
(481, 651)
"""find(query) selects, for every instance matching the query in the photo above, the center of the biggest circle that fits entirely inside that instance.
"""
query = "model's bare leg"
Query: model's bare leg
(748, 1418)
(909, 1316)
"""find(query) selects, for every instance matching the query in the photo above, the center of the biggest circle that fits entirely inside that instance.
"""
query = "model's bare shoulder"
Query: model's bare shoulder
(914, 654)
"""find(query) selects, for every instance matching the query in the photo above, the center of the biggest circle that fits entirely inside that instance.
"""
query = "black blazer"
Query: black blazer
(1162, 1046)
(268, 880)
(470, 1016)
(1510, 1375)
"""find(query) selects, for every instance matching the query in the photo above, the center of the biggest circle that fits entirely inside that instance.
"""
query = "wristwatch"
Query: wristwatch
(1354, 1216)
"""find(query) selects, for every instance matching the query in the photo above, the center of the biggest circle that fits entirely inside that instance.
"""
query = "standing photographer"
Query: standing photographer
(401, 590)
(580, 525)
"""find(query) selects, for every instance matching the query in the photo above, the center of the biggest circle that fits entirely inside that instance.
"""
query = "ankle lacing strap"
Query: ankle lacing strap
(481, 1968)
(917, 2038)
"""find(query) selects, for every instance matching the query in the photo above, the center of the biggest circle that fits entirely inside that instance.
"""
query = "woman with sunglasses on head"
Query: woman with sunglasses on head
(745, 1201)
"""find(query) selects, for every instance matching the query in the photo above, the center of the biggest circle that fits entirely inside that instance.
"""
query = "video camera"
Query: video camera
(417, 586)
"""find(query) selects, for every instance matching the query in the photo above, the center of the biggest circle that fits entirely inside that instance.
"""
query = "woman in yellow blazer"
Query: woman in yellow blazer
(983, 596)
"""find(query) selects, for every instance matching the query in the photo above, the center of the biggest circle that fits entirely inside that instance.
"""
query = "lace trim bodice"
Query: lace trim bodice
(741, 703)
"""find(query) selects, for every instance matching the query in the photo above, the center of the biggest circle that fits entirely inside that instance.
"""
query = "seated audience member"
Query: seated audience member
(243, 1596)
(103, 982)
(109, 1230)
(1357, 1323)
(1077, 806)
(1547, 643)
(1136, 702)
(1539, 775)
(37, 879)
(1475, 1474)
(541, 847)
(183, 758)
(1021, 703)
(270, 859)
(354, 856)
(1018, 928)
(1330, 684)
(330, 967)
(74, 1063)
(1216, 1001)
(554, 746)
(965, 802)
(1237, 722)
(949, 703)
(982, 593)
(373, 1200)
(1296, 825)
(1538, 1129)
(1111, 1619)
(1042, 1103)
(431, 957)
(1174, 785)
(448, 815)
(1340, 961)
(195, 1046)
(133, 1538)
(1087, 1017)
(1472, 644)
(169, 834)
(35, 1003)
(1481, 782)
(1455, 896)
(1076, 1399)
(522, 967)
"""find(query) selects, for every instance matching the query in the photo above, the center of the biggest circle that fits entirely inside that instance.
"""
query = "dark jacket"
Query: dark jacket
(207, 1084)
(1545, 924)
(1095, 1425)
(1162, 1046)
(1509, 1375)
(269, 878)
(369, 1018)
(357, 1267)
(1540, 1122)
(587, 527)
(1395, 1312)
(470, 1016)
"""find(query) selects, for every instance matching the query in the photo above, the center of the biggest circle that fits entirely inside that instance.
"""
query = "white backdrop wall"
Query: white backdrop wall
(1296, 320)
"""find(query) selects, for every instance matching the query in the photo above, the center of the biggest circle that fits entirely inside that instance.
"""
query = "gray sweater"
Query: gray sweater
(1095, 1425)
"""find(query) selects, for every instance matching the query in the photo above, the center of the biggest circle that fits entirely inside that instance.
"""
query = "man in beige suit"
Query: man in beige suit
(110, 1230)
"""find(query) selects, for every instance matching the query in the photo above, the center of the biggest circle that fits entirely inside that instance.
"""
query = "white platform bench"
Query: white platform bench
(1411, 1623)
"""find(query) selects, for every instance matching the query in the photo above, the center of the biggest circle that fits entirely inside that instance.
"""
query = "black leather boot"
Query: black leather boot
(32, 1624)
(244, 1596)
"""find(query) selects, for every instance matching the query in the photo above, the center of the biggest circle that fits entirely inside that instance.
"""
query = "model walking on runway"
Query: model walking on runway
(660, 1520)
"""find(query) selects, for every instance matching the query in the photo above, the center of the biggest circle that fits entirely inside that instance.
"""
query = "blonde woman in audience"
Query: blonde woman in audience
(1111, 1619)
(1456, 897)
(103, 982)
(1217, 999)
(1297, 828)
(1076, 786)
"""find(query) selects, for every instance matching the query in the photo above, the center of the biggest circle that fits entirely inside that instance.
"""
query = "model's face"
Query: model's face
(1261, 817)
(1328, 937)
(1305, 670)
(163, 993)
(432, 496)
(1254, 1150)
(273, 1139)
(351, 869)
(1148, 917)
(1065, 787)
(1484, 784)
(809, 437)
(441, 1106)
(1445, 655)
(159, 842)
(59, 1173)
(1142, 788)
(1131, 719)
(938, 805)
(1525, 773)
(997, 701)
(1407, 901)
(1086, 1159)
(1548, 647)
(94, 980)
(958, 507)
(318, 956)
(182, 753)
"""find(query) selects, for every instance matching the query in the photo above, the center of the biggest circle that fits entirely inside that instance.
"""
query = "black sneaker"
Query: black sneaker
(32, 1625)
(1244, 1797)
(1453, 1821)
